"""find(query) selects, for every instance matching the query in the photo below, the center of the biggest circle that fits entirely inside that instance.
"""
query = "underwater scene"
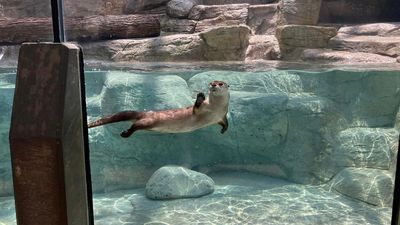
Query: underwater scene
(299, 147)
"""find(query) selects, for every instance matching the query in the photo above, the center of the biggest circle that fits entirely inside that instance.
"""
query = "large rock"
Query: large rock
(311, 121)
(226, 43)
(219, 15)
(180, 8)
(218, 44)
(263, 47)
(368, 185)
(262, 19)
(179, 47)
(366, 147)
(301, 12)
(374, 29)
(389, 46)
(343, 57)
(173, 25)
(172, 182)
(295, 38)
(202, 12)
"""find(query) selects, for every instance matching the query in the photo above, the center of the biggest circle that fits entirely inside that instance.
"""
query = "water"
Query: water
(303, 147)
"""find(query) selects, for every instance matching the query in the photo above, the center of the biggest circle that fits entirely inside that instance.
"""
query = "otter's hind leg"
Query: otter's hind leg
(224, 124)
(138, 125)
(128, 132)
(199, 100)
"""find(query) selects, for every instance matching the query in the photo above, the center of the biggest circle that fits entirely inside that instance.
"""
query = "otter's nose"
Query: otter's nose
(214, 85)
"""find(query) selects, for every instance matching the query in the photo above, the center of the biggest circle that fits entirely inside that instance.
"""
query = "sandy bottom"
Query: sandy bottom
(239, 198)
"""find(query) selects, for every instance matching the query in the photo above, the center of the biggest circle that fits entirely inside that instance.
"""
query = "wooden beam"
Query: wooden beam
(47, 137)
(91, 28)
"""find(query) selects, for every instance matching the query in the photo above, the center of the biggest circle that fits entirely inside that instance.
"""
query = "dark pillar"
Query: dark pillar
(47, 137)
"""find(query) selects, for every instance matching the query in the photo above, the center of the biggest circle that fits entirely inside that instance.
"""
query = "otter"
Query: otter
(204, 112)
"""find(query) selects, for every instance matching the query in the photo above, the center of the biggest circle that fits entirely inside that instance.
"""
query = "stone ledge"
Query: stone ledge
(294, 38)
(371, 186)
(343, 57)
(389, 46)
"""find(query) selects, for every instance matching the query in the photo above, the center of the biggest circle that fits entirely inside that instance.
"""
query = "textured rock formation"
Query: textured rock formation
(263, 47)
(226, 43)
(179, 47)
(221, 43)
(180, 8)
(389, 46)
(173, 25)
(372, 186)
(366, 148)
(262, 19)
(301, 12)
(374, 29)
(295, 38)
(215, 15)
(343, 57)
(172, 182)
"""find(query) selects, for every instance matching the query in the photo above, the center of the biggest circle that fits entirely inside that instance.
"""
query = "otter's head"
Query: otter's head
(218, 88)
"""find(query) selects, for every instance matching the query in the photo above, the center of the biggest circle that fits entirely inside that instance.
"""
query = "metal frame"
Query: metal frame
(57, 14)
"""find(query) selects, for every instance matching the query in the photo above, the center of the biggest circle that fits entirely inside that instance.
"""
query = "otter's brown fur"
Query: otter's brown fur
(203, 113)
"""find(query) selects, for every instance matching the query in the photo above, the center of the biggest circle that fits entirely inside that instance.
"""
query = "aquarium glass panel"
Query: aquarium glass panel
(302, 146)
(7, 207)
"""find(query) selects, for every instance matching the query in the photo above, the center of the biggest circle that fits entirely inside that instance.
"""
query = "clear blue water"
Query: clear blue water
(302, 147)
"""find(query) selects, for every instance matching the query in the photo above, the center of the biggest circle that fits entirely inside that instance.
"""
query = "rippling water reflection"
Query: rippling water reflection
(247, 200)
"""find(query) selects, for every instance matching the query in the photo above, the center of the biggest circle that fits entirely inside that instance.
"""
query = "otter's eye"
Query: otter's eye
(220, 84)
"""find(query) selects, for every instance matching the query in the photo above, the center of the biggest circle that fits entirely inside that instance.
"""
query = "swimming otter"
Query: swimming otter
(203, 113)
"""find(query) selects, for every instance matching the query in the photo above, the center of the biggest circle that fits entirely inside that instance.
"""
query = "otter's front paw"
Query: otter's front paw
(199, 99)
(126, 134)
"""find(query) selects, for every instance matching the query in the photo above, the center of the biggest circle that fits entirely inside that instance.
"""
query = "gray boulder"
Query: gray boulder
(180, 8)
(368, 185)
(171, 182)
(366, 147)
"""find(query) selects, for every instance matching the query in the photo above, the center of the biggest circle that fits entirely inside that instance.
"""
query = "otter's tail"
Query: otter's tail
(117, 117)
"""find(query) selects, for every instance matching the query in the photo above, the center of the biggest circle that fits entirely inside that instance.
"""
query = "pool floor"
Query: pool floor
(239, 198)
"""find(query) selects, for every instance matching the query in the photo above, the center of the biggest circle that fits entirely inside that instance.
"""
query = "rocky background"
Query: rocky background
(324, 31)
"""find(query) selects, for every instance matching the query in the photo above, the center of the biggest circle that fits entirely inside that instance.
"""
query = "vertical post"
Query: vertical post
(47, 139)
(57, 13)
